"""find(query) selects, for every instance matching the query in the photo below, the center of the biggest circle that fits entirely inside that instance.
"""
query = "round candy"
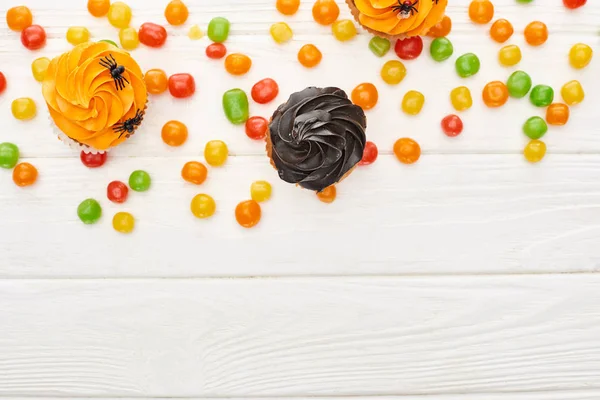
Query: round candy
(461, 98)
(409, 48)
(535, 127)
(194, 172)
(215, 153)
(572, 93)
(441, 49)
(195, 33)
(509, 55)
(129, 38)
(365, 96)
(580, 55)
(33, 37)
(442, 28)
(139, 181)
(309, 56)
(393, 72)
(176, 12)
(235, 106)
(203, 206)
(89, 211)
(152, 35)
(24, 174)
(39, 67)
(287, 7)
(572, 4)
(281, 32)
(467, 65)
(413, 102)
(260, 191)
(370, 154)
(98, 8)
(9, 155)
(325, 12)
(501, 30)
(495, 94)
(216, 51)
(182, 85)
(536, 33)
(265, 91)
(379, 46)
(174, 133)
(18, 18)
(238, 64)
(557, 114)
(256, 128)
(248, 213)
(93, 160)
(156, 81)
(77, 35)
(481, 11)
(541, 96)
(407, 151)
(117, 192)
(123, 222)
(23, 108)
(519, 84)
(2, 82)
(343, 30)
(119, 15)
(328, 194)
(535, 151)
(218, 29)
(452, 125)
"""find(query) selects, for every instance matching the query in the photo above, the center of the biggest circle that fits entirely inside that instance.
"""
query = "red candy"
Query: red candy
(574, 3)
(93, 160)
(256, 128)
(452, 125)
(117, 192)
(2, 82)
(265, 91)
(370, 154)
(182, 85)
(33, 37)
(409, 48)
(216, 51)
(152, 35)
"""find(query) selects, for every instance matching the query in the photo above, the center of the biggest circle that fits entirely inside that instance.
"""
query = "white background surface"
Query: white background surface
(443, 280)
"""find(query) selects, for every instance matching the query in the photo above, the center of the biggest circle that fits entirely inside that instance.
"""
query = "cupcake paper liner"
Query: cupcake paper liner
(356, 13)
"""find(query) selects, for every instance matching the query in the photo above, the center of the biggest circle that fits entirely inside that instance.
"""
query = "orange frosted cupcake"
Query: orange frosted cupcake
(397, 19)
(96, 96)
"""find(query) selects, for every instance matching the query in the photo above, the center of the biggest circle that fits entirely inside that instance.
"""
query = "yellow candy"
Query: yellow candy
(123, 222)
(195, 33)
(215, 153)
(413, 102)
(510, 55)
(393, 72)
(580, 55)
(203, 206)
(534, 151)
(260, 191)
(343, 30)
(77, 35)
(281, 32)
(23, 108)
(572, 93)
(461, 98)
(129, 38)
(39, 66)
(119, 15)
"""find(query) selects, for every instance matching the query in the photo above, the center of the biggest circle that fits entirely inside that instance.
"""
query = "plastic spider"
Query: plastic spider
(406, 8)
(130, 124)
(116, 71)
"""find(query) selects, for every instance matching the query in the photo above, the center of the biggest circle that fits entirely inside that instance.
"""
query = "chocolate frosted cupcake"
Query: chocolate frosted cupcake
(316, 139)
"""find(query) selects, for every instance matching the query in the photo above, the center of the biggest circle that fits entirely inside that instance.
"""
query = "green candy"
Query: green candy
(379, 46)
(535, 127)
(9, 155)
(541, 96)
(89, 211)
(441, 49)
(467, 65)
(235, 105)
(218, 29)
(524, 1)
(519, 84)
(139, 181)
(109, 41)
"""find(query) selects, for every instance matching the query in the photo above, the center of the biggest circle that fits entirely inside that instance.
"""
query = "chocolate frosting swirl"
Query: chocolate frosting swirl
(317, 137)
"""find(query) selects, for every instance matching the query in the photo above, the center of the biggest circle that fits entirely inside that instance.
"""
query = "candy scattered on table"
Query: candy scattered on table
(256, 128)
(509, 55)
(309, 56)
(156, 80)
(343, 30)
(452, 125)
(264, 91)
(535, 127)
(24, 174)
(481, 11)
(182, 85)
(365, 96)
(281, 32)
(260, 191)
(409, 48)
(9, 155)
(174, 133)
(33, 37)
(557, 114)
(218, 29)
(325, 12)
(216, 51)
(572, 93)
(518, 84)
(235, 106)
(495, 94)
(119, 15)
(328, 194)
(467, 65)
(194, 172)
(580, 55)
(23, 108)
(98, 8)
(441, 49)
(573, 4)
(117, 192)
(536, 33)
(501, 30)
(129, 38)
(248, 213)
(195, 33)
(176, 12)
(238, 64)
(216, 153)
(393, 72)
(413, 102)
(203, 206)
(77, 35)
(19, 18)
(442, 28)
(534, 151)
(139, 181)
(2, 82)
(379, 46)
(89, 211)
(287, 7)
(123, 222)
(461, 98)
(39, 66)
(93, 160)
(369, 154)
(407, 151)
(152, 35)
(541, 95)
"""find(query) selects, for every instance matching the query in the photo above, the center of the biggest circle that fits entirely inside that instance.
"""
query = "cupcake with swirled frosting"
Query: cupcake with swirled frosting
(316, 138)
(96, 96)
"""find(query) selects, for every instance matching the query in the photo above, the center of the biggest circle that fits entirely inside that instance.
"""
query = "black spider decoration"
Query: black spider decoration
(130, 124)
(116, 71)
(406, 8)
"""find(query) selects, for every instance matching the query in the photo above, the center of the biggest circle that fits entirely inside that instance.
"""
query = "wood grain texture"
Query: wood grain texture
(300, 337)
(556, 395)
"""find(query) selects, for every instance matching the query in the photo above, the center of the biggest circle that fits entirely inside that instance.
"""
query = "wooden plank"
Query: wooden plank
(300, 337)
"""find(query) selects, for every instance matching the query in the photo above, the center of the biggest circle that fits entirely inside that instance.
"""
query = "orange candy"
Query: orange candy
(442, 28)
(325, 12)
(557, 114)
(287, 7)
(536, 33)
(328, 194)
(248, 213)
(176, 13)
(194, 172)
(98, 8)
(237, 64)
(481, 11)
(365, 96)
(309, 56)
(501, 30)
(24, 174)
(407, 151)
(156, 81)
(495, 94)
(174, 133)
(19, 18)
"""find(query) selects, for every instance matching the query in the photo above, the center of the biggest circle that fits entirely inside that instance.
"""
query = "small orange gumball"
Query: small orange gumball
(365, 96)
(407, 151)
(237, 64)
(174, 133)
(328, 194)
(325, 12)
(98, 8)
(495, 94)
(194, 172)
(19, 18)
(176, 13)
(557, 114)
(501, 30)
(287, 7)
(309, 56)
(536, 33)
(25, 174)
(442, 28)
(248, 213)
(157, 81)
(481, 11)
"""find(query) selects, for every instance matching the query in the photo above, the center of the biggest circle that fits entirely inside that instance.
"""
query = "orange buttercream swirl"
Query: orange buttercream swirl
(384, 16)
(86, 102)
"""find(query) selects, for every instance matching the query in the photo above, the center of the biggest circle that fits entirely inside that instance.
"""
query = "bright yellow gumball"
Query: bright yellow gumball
(123, 222)
(413, 102)
(343, 30)
(461, 98)
(281, 32)
(39, 66)
(509, 55)
(535, 151)
(77, 35)
(216, 153)
(129, 38)
(580, 55)
(203, 206)
(119, 15)
(23, 108)
(572, 93)
(393, 72)
(260, 191)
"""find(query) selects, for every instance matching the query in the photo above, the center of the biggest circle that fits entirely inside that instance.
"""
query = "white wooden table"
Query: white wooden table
(469, 275)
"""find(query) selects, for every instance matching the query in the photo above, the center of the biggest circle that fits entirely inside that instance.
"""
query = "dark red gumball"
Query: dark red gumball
(264, 91)
(256, 128)
(370, 154)
(152, 35)
(182, 85)
(452, 125)
(33, 37)
(93, 160)
(216, 51)
(409, 48)
(117, 192)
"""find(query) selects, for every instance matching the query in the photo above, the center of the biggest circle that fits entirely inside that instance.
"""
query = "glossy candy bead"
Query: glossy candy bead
(309, 56)
(265, 91)
(33, 37)
(481, 11)
(535, 127)
(238, 64)
(281, 32)
(495, 94)
(452, 125)
(9, 155)
(19, 18)
(343, 30)
(557, 114)
(519, 84)
(256, 128)
(152, 35)
(216, 153)
(89, 211)
(260, 191)
(328, 194)
(119, 15)
(24, 174)
(195, 33)
(535, 151)
(23, 108)
(413, 102)
(370, 154)
(461, 98)
(216, 51)
(509, 55)
(248, 213)
(580, 55)
(77, 35)
(129, 38)
(467, 65)
(536, 33)
(117, 192)
(441, 49)
(573, 4)
(218, 29)
(325, 12)
(182, 85)
(365, 96)
(501, 30)
(174, 133)
(407, 151)
(203, 206)
(156, 81)
(379, 46)
(176, 12)
(39, 67)
(2, 83)
(139, 181)
(409, 48)
(93, 160)
(442, 28)
(194, 172)
(572, 93)
(98, 8)
(393, 72)
(287, 7)
(123, 222)
(541, 96)
(235, 105)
